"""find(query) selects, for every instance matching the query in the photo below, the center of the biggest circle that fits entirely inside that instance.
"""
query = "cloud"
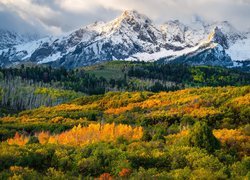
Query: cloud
(56, 16)
(236, 11)
(26, 16)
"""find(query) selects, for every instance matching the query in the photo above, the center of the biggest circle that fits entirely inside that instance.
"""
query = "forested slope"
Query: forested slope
(131, 76)
(137, 125)
(191, 133)
(221, 107)
(31, 87)
(18, 94)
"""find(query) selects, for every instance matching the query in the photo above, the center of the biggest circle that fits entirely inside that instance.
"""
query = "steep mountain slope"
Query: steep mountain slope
(133, 36)
(9, 39)
(240, 50)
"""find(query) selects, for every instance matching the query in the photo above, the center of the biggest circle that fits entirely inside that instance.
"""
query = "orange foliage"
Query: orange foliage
(43, 137)
(18, 139)
(16, 168)
(105, 176)
(174, 103)
(194, 102)
(93, 133)
(125, 172)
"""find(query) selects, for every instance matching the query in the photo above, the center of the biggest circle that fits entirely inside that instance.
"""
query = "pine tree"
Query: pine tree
(202, 136)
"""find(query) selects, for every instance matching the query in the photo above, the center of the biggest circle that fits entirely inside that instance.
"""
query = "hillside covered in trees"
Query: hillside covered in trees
(29, 87)
(129, 76)
(17, 94)
(186, 134)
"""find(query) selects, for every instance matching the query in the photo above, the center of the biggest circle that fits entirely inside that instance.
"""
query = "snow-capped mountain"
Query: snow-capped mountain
(9, 39)
(133, 36)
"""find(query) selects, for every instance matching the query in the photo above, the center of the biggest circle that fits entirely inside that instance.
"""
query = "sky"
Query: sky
(58, 16)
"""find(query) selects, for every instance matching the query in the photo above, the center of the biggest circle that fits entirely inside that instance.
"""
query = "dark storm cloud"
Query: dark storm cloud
(56, 16)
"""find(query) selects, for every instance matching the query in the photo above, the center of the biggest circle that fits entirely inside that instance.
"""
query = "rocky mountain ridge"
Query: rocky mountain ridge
(134, 37)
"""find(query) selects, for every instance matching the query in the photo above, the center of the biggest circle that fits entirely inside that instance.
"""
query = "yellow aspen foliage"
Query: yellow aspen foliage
(18, 139)
(119, 110)
(43, 137)
(79, 136)
(138, 133)
(234, 138)
(201, 112)
(241, 101)
(68, 107)
(228, 137)
(8, 119)
(57, 119)
(152, 103)
(52, 140)
(174, 138)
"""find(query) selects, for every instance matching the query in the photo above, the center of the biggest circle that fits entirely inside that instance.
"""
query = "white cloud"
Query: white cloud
(77, 6)
(32, 14)
(64, 15)
(236, 11)
(27, 8)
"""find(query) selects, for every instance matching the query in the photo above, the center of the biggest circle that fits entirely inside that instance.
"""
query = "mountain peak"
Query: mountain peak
(175, 23)
(128, 19)
(130, 13)
(226, 27)
(132, 36)
(133, 15)
(218, 37)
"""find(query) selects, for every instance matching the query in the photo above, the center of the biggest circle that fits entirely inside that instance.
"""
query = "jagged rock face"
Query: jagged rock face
(176, 35)
(209, 56)
(218, 37)
(133, 36)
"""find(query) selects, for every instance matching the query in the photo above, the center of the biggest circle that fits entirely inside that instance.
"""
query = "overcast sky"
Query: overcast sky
(57, 16)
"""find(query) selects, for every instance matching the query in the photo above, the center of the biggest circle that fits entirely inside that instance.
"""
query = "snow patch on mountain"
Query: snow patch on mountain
(9, 39)
(240, 50)
(163, 53)
(133, 36)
